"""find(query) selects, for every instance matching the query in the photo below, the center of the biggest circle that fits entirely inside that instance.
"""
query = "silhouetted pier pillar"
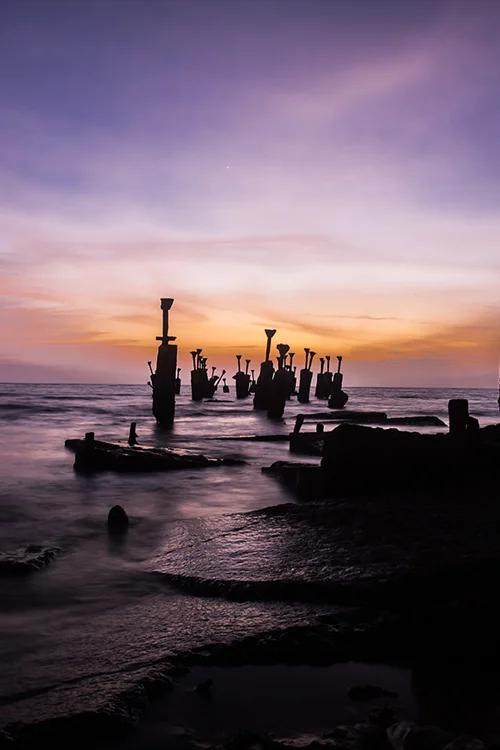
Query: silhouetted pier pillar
(198, 376)
(209, 383)
(458, 415)
(132, 435)
(163, 380)
(299, 421)
(291, 371)
(242, 379)
(178, 382)
(252, 383)
(338, 398)
(305, 379)
(280, 386)
(328, 378)
(320, 384)
(265, 379)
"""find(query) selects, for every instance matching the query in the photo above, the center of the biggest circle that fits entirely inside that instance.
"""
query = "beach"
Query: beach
(217, 564)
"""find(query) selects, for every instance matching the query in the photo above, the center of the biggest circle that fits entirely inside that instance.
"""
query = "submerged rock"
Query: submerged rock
(25, 560)
(117, 519)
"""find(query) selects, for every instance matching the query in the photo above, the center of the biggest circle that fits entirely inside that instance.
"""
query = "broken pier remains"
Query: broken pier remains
(163, 380)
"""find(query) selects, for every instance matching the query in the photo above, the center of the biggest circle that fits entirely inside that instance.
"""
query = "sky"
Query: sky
(327, 168)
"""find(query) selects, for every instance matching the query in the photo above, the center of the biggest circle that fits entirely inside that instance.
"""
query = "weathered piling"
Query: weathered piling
(199, 378)
(305, 379)
(338, 398)
(85, 455)
(209, 388)
(280, 386)
(253, 383)
(242, 379)
(293, 379)
(210, 383)
(225, 387)
(320, 380)
(163, 380)
(178, 382)
(247, 375)
(458, 414)
(299, 421)
(461, 424)
(328, 377)
(265, 379)
(132, 434)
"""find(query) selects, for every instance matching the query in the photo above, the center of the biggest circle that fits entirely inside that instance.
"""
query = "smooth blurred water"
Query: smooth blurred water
(96, 610)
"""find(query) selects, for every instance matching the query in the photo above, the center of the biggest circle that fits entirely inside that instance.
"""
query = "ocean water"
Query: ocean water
(97, 618)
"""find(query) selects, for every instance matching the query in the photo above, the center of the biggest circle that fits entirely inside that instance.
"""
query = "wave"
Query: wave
(285, 590)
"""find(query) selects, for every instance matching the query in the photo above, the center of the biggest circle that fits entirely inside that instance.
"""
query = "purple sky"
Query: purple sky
(326, 168)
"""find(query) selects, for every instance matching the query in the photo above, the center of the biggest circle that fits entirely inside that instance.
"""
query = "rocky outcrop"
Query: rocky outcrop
(96, 455)
(359, 459)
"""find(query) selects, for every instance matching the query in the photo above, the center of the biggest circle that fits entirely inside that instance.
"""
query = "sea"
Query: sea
(99, 616)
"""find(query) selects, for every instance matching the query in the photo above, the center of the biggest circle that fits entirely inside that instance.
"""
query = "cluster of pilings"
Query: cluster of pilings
(204, 385)
(273, 387)
(329, 384)
(305, 378)
(244, 383)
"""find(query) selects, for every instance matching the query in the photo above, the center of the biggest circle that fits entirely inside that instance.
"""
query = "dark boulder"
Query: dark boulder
(117, 519)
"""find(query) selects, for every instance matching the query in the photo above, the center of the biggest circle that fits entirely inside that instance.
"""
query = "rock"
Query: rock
(96, 455)
(25, 560)
(418, 421)
(117, 519)
(360, 459)
(405, 735)
(369, 693)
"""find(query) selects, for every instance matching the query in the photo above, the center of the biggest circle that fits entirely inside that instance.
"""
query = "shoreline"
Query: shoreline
(392, 618)
(409, 578)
